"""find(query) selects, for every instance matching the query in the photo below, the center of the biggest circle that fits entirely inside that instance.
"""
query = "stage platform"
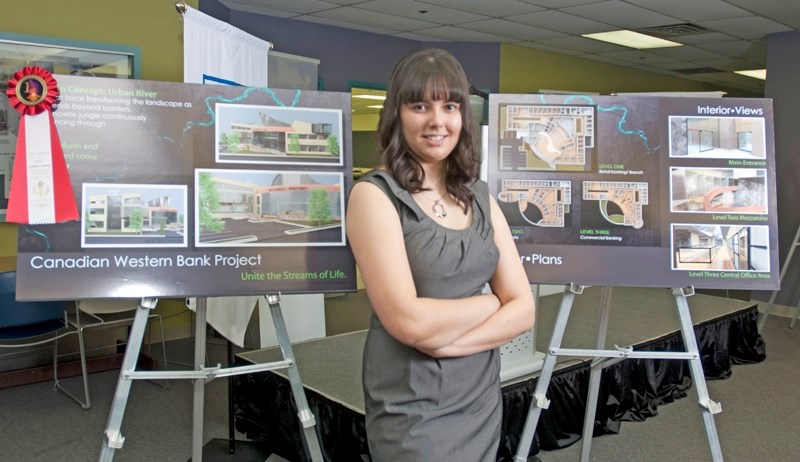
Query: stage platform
(632, 389)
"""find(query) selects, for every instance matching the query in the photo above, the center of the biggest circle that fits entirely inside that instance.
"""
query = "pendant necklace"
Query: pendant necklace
(438, 206)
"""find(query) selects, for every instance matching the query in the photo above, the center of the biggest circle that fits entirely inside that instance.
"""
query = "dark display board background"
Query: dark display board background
(638, 191)
(154, 144)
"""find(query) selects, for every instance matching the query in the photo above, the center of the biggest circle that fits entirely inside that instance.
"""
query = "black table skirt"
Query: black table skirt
(630, 390)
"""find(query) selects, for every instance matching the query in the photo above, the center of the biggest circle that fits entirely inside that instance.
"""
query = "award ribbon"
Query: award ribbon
(41, 192)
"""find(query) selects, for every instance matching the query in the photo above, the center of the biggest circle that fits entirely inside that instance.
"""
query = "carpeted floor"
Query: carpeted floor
(42, 425)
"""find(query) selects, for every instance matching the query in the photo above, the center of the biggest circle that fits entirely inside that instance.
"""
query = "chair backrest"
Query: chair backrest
(14, 313)
(108, 305)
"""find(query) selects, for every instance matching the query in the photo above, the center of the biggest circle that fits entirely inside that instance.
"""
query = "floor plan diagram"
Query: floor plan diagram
(552, 137)
(628, 196)
(541, 202)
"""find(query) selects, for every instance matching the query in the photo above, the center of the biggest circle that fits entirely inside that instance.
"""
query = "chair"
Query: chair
(28, 324)
(102, 313)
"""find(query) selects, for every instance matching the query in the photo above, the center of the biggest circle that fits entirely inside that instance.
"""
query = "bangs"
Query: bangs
(435, 85)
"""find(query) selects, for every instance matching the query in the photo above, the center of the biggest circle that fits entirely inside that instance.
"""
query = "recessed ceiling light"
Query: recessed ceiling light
(754, 73)
(631, 39)
(375, 97)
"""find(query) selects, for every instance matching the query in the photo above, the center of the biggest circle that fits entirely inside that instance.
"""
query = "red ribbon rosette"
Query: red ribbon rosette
(32, 90)
(41, 191)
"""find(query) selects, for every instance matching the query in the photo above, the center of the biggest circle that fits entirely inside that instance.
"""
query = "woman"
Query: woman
(427, 238)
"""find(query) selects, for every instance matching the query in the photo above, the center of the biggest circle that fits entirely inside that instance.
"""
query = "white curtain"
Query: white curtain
(229, 316)
(216, 52)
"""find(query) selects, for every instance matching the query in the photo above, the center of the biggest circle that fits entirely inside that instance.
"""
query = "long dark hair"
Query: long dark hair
(437, 74)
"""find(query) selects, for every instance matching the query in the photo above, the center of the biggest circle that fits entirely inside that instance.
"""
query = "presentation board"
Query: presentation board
(638, 191)
(195, 190)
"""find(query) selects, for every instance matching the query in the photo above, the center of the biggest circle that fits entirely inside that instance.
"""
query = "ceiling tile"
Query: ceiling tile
(704, 37)
(562, 22)
(621, 14)
(374, 19)
(686, 53)
(752, 27)
(342, 2)
(675, 66)
(419, 37)
(514, 30)
(291, 6)
(421, 11)
(784, 11)
(582, 44)
(549, 48)
(655, 69)
(693, 10)
(638, 57)
(493, 8)
(739, 48)
(247, 8)
(346, 25)
(458, 34)
(559, 3)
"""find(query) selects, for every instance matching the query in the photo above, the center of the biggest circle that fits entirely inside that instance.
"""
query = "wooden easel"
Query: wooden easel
(113, 439)
(604, 358)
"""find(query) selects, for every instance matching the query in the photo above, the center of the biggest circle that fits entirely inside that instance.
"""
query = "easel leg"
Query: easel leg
(198, 407)
(113, 439)
(305, 415)
(766, 312)
(595, 375)
(539, 400)
(709, 407)
(231, 422)
(794, 318)
(785, 266)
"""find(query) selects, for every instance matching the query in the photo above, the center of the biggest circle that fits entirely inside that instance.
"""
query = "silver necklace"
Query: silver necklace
(438, 207)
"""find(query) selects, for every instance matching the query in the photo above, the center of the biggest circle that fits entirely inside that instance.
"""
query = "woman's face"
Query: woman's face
(431, 129)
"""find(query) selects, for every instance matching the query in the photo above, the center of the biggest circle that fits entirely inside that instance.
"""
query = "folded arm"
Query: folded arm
(510, 284)
(376, 238)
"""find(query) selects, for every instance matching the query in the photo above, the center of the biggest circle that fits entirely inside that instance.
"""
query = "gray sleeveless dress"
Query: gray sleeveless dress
(418, 408)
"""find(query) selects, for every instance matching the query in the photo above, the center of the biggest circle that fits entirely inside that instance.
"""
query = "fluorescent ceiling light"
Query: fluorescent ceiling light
(375, 97)
(632, 39)
(375, 107)
(754, 73)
